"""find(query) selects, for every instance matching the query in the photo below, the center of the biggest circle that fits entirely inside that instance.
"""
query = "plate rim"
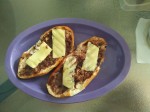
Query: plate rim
(80, 98)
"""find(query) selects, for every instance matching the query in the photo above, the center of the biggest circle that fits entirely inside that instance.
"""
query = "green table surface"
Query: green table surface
(132, 95)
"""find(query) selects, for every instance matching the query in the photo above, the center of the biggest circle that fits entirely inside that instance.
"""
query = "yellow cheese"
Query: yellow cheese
(68, 72)
(36, 58)
(90, 61)
(59, 44)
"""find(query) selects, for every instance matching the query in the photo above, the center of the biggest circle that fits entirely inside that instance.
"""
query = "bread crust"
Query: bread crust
(49, 68)
(79, 86)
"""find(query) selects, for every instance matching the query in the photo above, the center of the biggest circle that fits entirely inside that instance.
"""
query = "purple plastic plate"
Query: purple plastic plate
(113, 71)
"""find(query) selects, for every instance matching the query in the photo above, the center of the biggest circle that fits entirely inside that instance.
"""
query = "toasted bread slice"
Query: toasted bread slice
(81, 77)
(26, 72)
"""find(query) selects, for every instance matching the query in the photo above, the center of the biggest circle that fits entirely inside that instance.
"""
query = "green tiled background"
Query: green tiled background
(133, 95)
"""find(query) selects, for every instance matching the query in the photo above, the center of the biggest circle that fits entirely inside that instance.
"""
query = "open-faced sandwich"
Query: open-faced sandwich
(47, 53)
(77, 69)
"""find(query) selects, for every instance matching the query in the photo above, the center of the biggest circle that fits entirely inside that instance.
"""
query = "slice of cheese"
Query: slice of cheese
(68, 72)
(90, 61)
(59, 44)
(36, 58)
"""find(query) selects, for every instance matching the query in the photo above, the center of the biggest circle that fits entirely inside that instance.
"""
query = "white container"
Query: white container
(135, 5)
(142, 41)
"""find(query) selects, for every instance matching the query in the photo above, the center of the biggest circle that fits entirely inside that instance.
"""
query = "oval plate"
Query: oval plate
(113, 70)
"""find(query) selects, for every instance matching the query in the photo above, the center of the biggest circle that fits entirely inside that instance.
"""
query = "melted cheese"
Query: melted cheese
(68, 72)
(59, 45)
(90, 61)
(39, 55)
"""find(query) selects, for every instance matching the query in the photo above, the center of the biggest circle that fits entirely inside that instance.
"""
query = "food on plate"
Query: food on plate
(47, 53)
(77, 69)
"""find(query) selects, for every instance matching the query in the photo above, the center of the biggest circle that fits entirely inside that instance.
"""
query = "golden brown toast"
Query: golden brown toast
(26, 72)
(81, 77)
